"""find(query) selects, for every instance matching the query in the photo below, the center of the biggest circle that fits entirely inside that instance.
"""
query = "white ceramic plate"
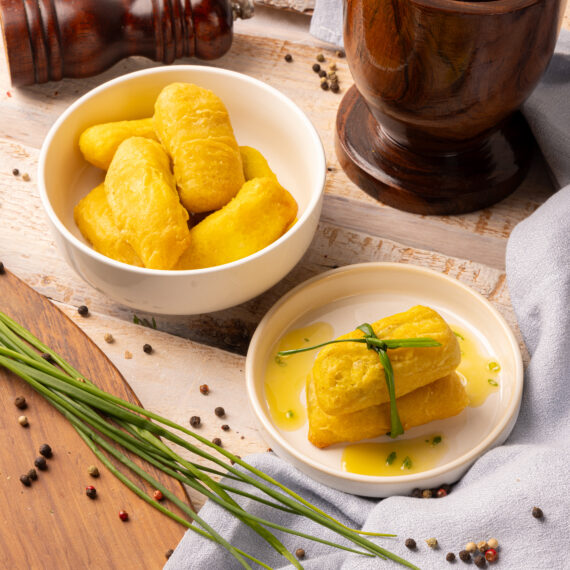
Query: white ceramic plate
(347, 297)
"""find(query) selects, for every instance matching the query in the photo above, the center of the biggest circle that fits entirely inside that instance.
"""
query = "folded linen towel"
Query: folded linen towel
(495, 497)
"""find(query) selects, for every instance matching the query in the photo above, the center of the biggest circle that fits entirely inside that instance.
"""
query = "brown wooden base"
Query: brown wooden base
(485, 171)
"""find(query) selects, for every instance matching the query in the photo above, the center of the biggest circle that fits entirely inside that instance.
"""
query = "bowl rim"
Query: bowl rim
(312, 204)
(461, 463)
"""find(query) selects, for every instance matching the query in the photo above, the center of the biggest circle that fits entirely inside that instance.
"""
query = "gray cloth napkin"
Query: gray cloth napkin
(496, 496)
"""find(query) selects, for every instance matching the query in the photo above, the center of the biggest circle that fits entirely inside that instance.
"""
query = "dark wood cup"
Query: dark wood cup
(432, 123)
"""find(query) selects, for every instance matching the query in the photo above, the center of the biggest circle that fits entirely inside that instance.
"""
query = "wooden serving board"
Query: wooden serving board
(53, 524)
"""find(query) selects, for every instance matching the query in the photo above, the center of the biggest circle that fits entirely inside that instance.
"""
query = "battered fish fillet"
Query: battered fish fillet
(260, 213)
(142, 195)
(99, 143)
(94, 219)
(349, 376)
(194, 127)
(438, 400)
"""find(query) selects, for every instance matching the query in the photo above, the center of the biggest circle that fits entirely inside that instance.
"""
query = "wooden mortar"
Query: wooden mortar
(432, 123)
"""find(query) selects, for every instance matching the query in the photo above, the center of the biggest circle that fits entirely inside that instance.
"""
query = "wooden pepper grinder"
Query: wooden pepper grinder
(47, 40)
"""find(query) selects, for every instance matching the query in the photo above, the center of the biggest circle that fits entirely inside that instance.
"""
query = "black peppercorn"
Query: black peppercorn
(33, 474)
(537, 512)
(464, 556)
(316, 67)
(335, 88)
(15, 171)
(410, 543)
(25, 480)
(41, 463)
(195, 421)
(450, 557)
(20, 403)
(417, 493)
(83, 310)
(325, 85)
(169, 553)
(217, 441)
(220, 412)
(322, 73)
(288, 58)
(1, 268)
(46, 450)
(480, 561)
(91, 492)
(226, 427)
(300, 553)
(147, 348)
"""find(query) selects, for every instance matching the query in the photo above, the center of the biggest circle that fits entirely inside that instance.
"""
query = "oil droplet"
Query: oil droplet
(479, 371)
(286, 376)
(394, 458)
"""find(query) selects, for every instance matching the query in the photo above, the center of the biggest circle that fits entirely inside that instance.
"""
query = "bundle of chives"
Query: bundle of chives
(110, 425)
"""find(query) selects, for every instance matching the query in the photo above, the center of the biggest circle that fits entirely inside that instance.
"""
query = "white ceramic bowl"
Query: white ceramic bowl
(262, 117)
(349, 296)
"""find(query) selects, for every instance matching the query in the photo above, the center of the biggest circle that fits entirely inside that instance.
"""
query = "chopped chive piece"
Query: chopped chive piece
(458, 335)
(494, 366)
(436, 440)
(390, 458)
(407, 463)
(492, 382)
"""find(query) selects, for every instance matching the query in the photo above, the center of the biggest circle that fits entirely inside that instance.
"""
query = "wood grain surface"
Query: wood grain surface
(53, 524)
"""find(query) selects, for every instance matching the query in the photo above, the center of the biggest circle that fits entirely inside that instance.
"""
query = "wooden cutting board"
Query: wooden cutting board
(53, 524)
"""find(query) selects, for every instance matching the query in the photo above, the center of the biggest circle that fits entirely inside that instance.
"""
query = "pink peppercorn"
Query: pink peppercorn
(491, 555)
(123, 515)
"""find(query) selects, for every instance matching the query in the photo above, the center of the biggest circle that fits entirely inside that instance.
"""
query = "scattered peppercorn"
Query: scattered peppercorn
(491, 555)
(300, 553)
(325, 85)
(195, 421)
(493, 543)
(322, 73)
(537, 512)
(128, 354)
(482, 545)
(464, 556)
(109, 338)
(450, 557)
(25, 480)
(339, 53)
(25, 177)
(316, 67)
(33, 474)
(169, 553)
(157, 495)
(93, 471)
(288, 58)
(427, 493)
(124, 516)
(204, 389)
(220, 412)
(45, 450)
(410, 543)
(147, 348)
(416, 493)
(15, 172)
(2, 270)
(91, 492)
(320, 57)
(480, 561)
(23, 421)
(471, 547)
(441, 493)
(217, 441)
(431, 542)
(20, 403)
(445, 487)
(41, 463)
(332, 67)
(335, 88)
(83, 310)
(226, 427)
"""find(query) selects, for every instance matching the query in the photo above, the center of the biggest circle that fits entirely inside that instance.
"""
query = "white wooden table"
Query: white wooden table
(210, 348)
